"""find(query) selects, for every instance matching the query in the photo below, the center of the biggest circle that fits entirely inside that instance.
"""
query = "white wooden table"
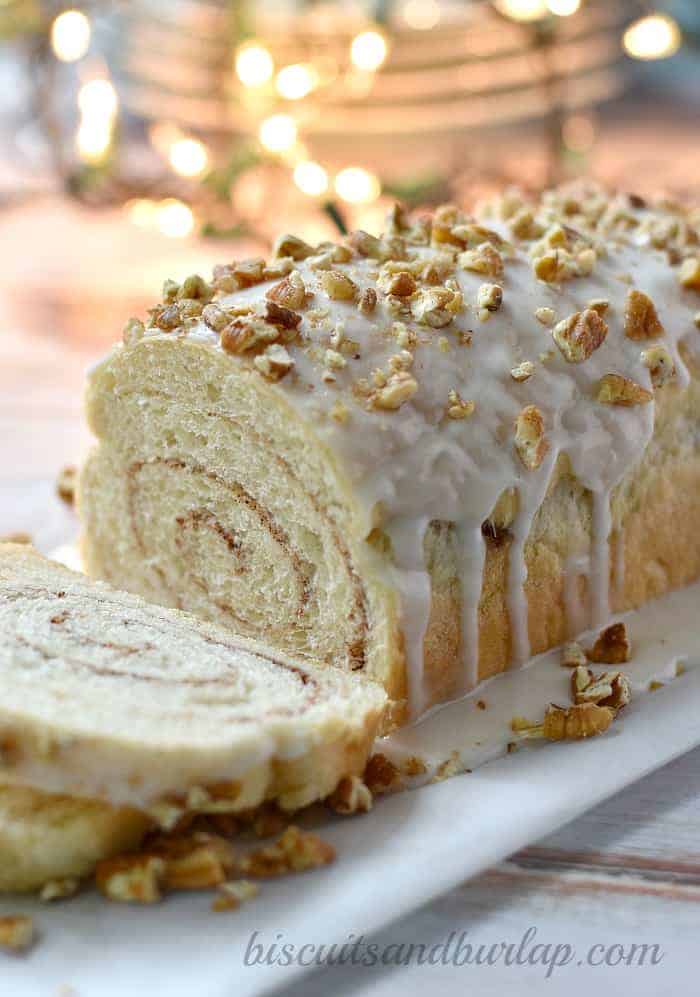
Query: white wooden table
(627, 873)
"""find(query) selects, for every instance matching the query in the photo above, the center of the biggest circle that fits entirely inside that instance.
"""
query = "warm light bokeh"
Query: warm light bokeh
(368, 50)
(97, 98)
(356, 185)
(656, 36)
(254, 64)
(311, 178)
(295, 82)
(93, 140)
(523, 10)
(174, 218)
(98, 105)
(70, 35)
(188, 157)
(278, 133)
(421, 15)
(563, 8)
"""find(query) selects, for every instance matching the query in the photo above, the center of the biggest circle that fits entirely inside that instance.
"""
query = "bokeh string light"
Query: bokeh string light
(357, 185)
(188, 157)
(368, 51)
(98, 105)
(254, 64)
(70, 35)
(278, 133)
(656, 36)
(311, 178)
(295, 82)
(303, 93)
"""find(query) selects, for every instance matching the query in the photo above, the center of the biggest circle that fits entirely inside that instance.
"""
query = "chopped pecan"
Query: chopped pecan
(294, 851)
(545, 315)
(195, 862)
(579, 335)
(165, 317)
(554, 265)
(368, 301)
(610, 689)
(290, 292)
(350, 796)
(16, 932)
(660, 364)
(489, 297)
(399, 388)
(523, 371)
(59, 889)
(457, 407)
(402, 284)
(641, 318)
(614, 389)
(524, 226)
(471, 234)
(531, 443)
(195, 288)
(131, 878)
(249, 272)
(290, 245)
(449, 767)
(284, 317)
(572, 655)
(215, 317)
(338, 286)
(233, 894)
(381, 775)
(436, 306)
(612, 646)
(689, 273)
(243, 335)
(567, 723)
(365, 244)
(66, 484)
(484, 259)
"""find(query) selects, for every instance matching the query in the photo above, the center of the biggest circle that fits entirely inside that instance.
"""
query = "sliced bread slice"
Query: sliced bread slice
(107, 697)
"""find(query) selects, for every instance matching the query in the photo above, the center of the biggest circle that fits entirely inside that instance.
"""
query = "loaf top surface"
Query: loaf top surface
(459, 355)
(99, 682)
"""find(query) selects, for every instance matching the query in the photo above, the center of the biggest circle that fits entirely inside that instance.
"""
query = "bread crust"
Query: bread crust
(45, 837)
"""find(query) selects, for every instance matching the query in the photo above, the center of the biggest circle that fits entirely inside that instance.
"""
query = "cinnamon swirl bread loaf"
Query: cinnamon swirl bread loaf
(124, 710)
(423, 456)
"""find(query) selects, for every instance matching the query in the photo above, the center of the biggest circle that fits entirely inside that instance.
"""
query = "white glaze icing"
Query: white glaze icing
(417, 466)
(664, 635)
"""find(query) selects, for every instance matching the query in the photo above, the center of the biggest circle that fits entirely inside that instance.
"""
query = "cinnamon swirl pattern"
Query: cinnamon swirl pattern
(107, 697)
(222, 510)
(423, 456)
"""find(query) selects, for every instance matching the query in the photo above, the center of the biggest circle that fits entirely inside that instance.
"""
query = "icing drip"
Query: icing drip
(413, 583)
(576, 568)
(600, 558)
(472, 554)
(530, 500)
(619, 563)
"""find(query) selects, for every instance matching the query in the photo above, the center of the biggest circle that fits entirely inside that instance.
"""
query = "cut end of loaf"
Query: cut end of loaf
(205, 493)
